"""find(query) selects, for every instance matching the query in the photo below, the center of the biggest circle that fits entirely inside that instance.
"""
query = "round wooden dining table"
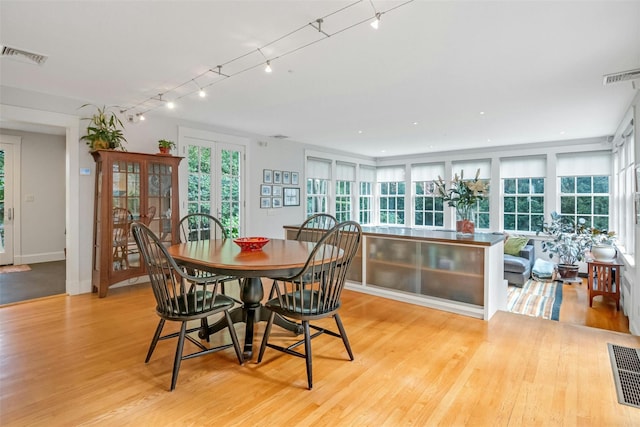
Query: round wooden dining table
(278, 258)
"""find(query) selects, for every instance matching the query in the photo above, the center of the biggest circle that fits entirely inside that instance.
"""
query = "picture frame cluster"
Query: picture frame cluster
(279, 188)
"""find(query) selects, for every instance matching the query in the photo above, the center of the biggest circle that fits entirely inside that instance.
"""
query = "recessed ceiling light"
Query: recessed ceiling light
(359, 131)
(415, 123)
(488, 139)
(383, 151)
(561, 132)
(482, 113)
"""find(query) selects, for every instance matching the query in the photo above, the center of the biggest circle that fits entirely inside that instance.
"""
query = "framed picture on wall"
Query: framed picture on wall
(265, 202)
(286, 177)
(291, 196)
(294, 178)
(277, 177)
(267, 176)
(276, 190)
(265, 190)
(276, 202)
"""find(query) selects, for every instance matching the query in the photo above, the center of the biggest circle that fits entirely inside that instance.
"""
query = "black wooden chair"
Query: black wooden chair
(314, 227)
(181, 297)
(302, 300)
(201, 226)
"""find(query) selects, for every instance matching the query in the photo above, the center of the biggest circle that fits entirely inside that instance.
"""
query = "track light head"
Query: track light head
(171, 105)
(268, 69)
(376, 22)
(202, 93)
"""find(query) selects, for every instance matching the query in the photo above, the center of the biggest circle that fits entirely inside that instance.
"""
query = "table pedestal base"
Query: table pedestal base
(253, 311)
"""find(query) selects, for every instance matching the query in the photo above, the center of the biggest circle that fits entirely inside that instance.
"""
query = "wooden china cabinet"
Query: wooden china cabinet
(130, 187)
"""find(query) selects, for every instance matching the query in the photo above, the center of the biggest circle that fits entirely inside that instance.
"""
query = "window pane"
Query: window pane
(509, 222)
(523, 185)
(584, 205)
(583, 184)
(510, 186)
(509, 205)
(537, 185)
(601, 205)
(567, 184)
(567, 205)
(601, 184)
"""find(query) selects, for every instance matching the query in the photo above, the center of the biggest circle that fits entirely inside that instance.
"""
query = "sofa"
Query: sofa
(517, 268)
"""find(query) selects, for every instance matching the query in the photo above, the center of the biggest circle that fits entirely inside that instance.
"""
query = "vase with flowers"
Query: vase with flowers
(463, 195)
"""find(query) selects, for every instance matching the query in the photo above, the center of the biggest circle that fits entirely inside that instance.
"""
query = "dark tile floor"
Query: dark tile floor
(44, 279)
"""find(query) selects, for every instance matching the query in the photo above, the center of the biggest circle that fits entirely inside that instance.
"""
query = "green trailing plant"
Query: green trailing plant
(569, 241)
(104, 130)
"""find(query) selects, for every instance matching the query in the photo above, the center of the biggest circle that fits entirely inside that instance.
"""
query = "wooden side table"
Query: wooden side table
(604, 279)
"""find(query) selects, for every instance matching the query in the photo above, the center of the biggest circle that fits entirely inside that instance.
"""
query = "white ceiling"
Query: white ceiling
(533, 68)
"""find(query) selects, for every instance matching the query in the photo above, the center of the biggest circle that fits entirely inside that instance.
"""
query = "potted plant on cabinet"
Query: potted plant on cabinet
(104, 130)
(165, 146)
(569, 241)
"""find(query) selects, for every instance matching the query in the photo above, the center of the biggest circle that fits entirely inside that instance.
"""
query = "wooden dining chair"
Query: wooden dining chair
(315, 226)
(181, 297)
(297, 298)
(121, 219)
(198, 227)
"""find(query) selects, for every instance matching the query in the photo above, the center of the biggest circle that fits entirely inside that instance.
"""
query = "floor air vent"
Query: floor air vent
(625, 363)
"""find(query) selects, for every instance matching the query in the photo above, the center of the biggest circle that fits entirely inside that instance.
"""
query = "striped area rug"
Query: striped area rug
(536, 299)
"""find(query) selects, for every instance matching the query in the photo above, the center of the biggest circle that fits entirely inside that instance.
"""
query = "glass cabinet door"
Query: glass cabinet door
(159, 208)
(125, 209)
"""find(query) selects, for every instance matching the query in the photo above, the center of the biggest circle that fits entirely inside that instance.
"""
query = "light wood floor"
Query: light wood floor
(575, 309)
(80, 361)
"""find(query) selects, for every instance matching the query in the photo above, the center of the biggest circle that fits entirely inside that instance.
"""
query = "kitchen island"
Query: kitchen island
(434, 268)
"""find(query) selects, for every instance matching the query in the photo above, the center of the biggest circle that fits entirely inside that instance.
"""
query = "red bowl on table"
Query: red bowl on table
(248, 244)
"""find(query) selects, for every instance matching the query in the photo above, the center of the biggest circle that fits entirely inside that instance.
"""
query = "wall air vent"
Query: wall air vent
(23, 55)
(621, 77)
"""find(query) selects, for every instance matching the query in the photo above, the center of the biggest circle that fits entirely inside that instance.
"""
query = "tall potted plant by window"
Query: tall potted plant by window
(463, 195)
(569, 242)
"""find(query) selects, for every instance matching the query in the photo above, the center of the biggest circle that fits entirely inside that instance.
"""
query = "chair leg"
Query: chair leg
(205, 329)
(307, 351)
(265, 337)
(178, 358)
(154, 341)
(234, 337)
(343, 334)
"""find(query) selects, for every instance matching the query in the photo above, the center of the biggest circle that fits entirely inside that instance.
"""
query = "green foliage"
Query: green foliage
(104, 130)
(165, 143)
(569, 241)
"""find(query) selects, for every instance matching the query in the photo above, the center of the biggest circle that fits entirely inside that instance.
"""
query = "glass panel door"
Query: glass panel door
(6, 204)
(126, 208)
(215, 174)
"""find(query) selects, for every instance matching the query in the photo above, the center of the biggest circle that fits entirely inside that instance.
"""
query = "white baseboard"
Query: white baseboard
(36, 258)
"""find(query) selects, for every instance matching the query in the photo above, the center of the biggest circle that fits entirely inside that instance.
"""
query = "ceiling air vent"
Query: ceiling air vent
(621, 77)
(23, 55)
(279, 136)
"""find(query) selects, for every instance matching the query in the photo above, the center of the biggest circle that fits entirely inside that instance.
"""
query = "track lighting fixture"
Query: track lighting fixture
(141, 116)
(317, 24)
(376, 22)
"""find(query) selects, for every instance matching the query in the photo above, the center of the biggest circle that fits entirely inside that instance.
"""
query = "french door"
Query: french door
(7, 208)
(215, 178)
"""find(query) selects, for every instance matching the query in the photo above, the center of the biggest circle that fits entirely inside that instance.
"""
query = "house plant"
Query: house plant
(165, 146)
(602, 244)
(569, 242)
(104, 130)
(464, 197)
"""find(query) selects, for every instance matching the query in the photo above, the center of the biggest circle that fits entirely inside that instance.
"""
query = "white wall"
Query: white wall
(42, 198)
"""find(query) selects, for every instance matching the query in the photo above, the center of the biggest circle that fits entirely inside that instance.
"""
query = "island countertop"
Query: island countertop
(448, 236)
